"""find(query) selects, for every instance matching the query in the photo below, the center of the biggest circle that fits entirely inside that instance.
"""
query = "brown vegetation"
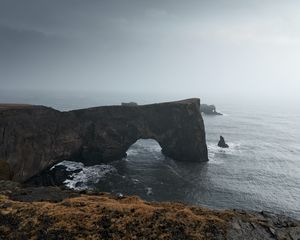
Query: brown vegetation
(104, 216)
(14, 105)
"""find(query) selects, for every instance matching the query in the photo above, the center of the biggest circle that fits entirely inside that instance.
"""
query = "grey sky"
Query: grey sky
(189, 48)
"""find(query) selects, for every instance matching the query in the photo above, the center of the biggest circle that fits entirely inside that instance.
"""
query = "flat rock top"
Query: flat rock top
(14, 106)
(184, 101)
(9, 106)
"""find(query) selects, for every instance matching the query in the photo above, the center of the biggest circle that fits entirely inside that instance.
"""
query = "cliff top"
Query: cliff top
(14, 106)
(105, 216)
(6, 106)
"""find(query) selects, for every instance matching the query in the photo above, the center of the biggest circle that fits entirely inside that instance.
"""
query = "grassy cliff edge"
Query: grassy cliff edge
(52, 213)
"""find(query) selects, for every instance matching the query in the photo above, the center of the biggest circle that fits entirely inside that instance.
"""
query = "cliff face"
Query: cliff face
(33, 138)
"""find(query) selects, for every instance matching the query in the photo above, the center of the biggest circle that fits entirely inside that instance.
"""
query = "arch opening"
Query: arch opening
(145, 147)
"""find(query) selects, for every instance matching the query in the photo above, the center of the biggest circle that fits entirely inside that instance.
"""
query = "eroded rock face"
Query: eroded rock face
(33, 138)
(5, 171)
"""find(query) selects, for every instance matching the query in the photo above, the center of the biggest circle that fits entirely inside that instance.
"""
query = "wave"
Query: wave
(213, 150)
(87, 176)
(70, 165)
(149, 191)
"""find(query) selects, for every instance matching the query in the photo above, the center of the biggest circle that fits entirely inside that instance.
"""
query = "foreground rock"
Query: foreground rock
(34, 138)
(36, 213)
(222, 143)
(209, 109)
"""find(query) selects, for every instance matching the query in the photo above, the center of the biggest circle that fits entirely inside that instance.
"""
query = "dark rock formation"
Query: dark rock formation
(209, 109)
(34, 138)
(53, 213)
(132, 104)
(52, 177)
(222, 143)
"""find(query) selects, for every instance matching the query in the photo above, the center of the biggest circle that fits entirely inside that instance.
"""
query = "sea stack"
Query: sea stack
(222, 143)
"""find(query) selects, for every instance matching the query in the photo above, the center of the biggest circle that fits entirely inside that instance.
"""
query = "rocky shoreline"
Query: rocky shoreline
(55, 213)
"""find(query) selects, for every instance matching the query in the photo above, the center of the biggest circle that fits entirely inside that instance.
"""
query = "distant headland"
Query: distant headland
(209, 109)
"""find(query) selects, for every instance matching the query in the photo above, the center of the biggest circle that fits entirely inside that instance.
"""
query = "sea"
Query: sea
(259, 171)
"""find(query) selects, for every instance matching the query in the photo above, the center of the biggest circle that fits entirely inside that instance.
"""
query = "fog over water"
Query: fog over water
(243, 56)
(219, 50)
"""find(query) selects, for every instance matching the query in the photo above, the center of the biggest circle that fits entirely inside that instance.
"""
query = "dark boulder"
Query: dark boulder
(54, 176)
(222, 143)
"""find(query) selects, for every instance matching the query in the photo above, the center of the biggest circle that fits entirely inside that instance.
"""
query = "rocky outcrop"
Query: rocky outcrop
(209, 109)
(34, 138)
(132, 104)
(52, 213)
(222, 143)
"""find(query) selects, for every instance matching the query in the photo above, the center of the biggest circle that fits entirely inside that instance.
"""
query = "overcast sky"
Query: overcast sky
(185, 48)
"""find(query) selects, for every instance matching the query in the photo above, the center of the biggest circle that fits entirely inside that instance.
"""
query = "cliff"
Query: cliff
(51, 213)
(34, 138)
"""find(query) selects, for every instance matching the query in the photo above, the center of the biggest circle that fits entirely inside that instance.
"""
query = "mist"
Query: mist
(150, 50)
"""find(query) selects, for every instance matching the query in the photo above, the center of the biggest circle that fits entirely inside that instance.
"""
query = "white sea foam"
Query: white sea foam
(233, 147)
(87, 174)
(70, 165)
(149, 191)
(135, 181)
(132, 152)
(213, 149)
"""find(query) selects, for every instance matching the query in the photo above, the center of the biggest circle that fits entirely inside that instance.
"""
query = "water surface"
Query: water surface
(260, 170)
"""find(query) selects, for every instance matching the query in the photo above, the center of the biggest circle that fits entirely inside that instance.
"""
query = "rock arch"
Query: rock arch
(34, 138)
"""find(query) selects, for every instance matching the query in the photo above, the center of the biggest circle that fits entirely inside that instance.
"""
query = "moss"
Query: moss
(102, 217)
(106, 217)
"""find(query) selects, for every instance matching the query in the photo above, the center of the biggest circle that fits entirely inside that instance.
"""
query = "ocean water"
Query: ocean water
(259, 171)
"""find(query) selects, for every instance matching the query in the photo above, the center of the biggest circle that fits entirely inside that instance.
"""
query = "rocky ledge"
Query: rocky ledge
(52, 213)
(34, 138)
